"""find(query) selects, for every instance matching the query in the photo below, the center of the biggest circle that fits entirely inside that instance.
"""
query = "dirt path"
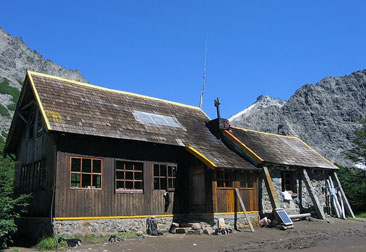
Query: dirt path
(338, 235)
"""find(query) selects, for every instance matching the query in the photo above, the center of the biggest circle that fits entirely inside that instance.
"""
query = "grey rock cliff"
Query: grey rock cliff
(324, 115)
(15, 59)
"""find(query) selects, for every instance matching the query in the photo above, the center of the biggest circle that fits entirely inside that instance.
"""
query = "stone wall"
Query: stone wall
(241, 220)
(102, 227)
(301, 201)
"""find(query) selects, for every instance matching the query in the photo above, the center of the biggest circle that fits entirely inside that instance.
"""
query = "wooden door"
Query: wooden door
(198, 190)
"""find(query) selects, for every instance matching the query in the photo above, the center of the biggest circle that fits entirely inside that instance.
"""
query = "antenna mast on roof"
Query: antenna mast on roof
(204, 75)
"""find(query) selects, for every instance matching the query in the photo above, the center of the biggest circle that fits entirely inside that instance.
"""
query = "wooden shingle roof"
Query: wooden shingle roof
(73, 107)
(278, 149)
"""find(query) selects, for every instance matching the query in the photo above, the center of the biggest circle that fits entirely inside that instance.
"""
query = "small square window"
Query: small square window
(128, 176)
(86, 173)
(288, 182)
(224, 179)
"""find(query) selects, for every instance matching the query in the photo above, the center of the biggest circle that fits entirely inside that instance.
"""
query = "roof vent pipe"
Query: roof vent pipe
(217, 105)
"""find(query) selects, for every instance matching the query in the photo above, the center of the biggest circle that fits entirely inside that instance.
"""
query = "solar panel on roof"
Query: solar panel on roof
(284, 217)
(156, 119)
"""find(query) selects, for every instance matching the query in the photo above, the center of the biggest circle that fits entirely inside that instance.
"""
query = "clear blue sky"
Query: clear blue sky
(156, 47)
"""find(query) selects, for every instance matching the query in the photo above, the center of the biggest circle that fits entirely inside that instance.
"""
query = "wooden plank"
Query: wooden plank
(345, 200)
(244, 210)
(314, 198)
(333, 200)
(270, 189)
(336, 198)
(342, 206)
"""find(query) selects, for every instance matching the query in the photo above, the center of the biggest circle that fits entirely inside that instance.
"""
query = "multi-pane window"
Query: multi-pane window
(288, 181)
(224, 179)
(33, 177)
(86, 172)
(165, 176)
(129, 176)
(246, 180)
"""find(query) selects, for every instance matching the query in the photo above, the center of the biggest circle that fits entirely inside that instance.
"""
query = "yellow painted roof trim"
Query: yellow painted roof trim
(200, 156)
(112, 90)
(316, 152)
(293, 137)
(29, 74)
(243, 146)
(261, 132)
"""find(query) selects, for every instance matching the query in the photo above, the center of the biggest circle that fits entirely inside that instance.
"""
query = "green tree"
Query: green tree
(357, 153)
(11, 206)
(354, 179)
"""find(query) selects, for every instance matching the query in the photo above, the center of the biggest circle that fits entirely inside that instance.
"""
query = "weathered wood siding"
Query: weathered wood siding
(30, 151)
(106, 201)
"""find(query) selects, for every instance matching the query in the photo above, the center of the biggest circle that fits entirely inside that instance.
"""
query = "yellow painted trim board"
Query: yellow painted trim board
(294, 137)
(29, 74)
(200, 156)
(261, 132)
(133, 216)
(316, 152)
(243, 146)
(227, 213)
(113, 217)
(111, 90)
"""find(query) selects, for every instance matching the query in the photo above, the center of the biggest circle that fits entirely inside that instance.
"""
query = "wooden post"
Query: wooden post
(270, 189)
(345, 200)
(244, 210)
(342, 206)
(333, 199)
(336, 197)
(314, 198)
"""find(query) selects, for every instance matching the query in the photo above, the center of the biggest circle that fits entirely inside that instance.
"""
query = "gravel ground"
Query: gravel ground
(337, 235)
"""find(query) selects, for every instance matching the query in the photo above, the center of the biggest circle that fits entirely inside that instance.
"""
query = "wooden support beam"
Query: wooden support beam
(244, 210)
(314, 198)
(332, 199)
(336, 198)
(22, 117)
(345, 200)
(28, 105)
(270, 189)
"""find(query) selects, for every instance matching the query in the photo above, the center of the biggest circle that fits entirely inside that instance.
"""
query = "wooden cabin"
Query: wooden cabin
(98, 160)
(297, 174)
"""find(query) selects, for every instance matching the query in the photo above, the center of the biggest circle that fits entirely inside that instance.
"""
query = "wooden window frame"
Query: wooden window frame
(284, 177)
(224, 180)
(249, 176)
(124, 180)
(91, 173)
(165, 179)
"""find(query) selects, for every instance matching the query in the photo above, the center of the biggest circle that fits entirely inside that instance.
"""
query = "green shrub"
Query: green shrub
(6, 89)
(50, 243)
(3, 111)
(361, 215)
(11, 206)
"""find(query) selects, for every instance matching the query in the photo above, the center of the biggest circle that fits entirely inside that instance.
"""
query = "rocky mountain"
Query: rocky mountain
(324, 115)
(15, 59)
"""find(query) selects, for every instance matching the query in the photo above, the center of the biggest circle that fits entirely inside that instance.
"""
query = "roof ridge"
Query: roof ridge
(262, 132)
(114, 90)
